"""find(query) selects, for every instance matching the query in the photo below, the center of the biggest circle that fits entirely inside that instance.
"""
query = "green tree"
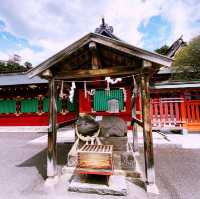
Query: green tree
(163, 50)
(186, 65)
(28, 65)
(12, 67)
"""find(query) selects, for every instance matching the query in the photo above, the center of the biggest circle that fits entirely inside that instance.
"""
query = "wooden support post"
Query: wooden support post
(133, 112)
(134, 127)
(95, 60)
(52, 132)
(135, 138)
(147, 131)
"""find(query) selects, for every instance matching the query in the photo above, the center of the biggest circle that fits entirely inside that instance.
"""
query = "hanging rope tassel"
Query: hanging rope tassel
(61, 89)
(85, 89)
(108, 85)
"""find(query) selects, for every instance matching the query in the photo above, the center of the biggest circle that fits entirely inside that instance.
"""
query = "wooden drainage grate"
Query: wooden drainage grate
(96, 148)
(95, 159)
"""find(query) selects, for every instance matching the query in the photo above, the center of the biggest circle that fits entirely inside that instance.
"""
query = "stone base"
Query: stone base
(119, 143)
(98, 184)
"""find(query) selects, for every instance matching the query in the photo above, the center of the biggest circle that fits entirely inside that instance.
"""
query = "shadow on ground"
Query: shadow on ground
(40, 159)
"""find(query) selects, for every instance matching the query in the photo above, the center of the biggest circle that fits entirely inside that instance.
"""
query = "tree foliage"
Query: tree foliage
(186, 65)
(28, 65)
(163, 50)
(12, 67)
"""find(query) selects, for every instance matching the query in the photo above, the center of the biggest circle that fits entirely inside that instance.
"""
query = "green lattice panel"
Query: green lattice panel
(71, 106)
(101, 97)
(29, 105)
(45, 103)
(7, 106)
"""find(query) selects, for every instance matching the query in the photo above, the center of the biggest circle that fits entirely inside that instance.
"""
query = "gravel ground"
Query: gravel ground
(177, 173)
(23, 168)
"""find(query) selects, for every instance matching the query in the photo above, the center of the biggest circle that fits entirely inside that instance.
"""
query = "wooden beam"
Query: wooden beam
(106, 41)
(58, 57)
(147, 131)
(96, 72)
(52, 132)
(139, 122)
(95, 59)
(132, 50)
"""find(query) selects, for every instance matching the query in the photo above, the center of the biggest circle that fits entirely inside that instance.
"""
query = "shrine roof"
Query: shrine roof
(108, 42)
(176, 84)
(11, 79)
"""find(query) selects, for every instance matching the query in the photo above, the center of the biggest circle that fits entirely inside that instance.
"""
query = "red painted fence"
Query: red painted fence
(192, 114)
(176, 112)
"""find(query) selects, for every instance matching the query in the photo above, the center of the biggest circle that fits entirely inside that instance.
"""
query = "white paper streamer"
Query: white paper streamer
(61, 89)
(71, 92)
(113, 81)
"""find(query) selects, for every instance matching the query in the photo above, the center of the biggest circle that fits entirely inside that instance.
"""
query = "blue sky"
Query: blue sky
(155, 32)
(36, 31)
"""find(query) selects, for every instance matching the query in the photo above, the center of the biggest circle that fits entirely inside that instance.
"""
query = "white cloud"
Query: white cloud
(3, 56)
(53, 25)
(183, 17)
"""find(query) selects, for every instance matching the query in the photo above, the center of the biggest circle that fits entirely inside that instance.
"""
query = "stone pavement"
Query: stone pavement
(23, 168)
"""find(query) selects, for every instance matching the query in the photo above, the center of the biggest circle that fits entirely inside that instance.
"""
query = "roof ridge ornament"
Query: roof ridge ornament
(104, 27)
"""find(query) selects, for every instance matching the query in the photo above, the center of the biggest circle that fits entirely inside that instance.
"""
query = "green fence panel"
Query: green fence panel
(101, 97)
(45, 104)
(71, 106)
(29, 105)
(7, 106)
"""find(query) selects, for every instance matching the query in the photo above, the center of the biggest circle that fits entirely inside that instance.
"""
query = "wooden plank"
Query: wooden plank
(52, 132)
(77, 74)
(147, 131)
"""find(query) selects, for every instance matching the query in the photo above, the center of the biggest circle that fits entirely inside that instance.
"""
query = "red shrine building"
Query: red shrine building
(174, 105)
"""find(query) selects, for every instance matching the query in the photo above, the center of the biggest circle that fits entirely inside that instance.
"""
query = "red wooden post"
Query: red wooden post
(157, 119)
(197, 111)
(193, 112)
(171, 114)
(161, 114)
(183, 112)
(166, 113)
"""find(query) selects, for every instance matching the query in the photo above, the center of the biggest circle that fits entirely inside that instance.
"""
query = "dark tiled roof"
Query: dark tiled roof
(11, 79)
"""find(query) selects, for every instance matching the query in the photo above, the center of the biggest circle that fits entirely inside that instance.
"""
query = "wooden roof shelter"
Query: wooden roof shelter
(99, 55)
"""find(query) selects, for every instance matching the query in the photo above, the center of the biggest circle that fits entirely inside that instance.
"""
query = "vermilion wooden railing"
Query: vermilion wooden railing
(192, 112)
(166, 112)
(176, 112)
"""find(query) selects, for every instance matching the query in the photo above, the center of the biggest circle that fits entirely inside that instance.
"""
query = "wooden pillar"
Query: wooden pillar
(147, 131)
(95, 59)
(135, 138)
(133, 112)
(52, 131)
